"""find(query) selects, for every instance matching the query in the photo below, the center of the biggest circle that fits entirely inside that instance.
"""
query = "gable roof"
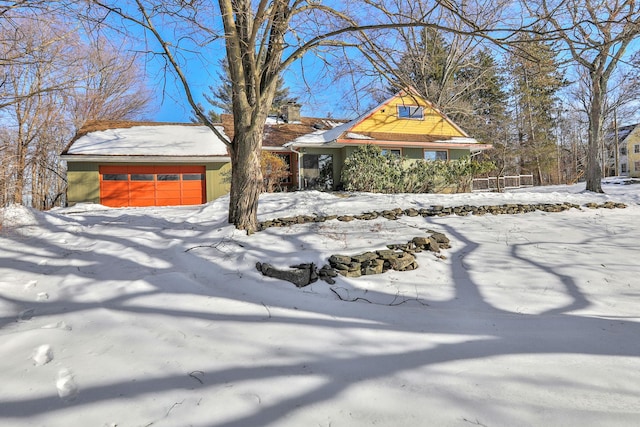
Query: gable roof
(625, 131)
(381, 126)
(116, 139)
(413, 95)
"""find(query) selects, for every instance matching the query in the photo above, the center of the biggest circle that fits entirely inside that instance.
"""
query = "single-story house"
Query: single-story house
(145, 164)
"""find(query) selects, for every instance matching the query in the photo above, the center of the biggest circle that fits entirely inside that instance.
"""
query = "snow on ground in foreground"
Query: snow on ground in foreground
(158, 317)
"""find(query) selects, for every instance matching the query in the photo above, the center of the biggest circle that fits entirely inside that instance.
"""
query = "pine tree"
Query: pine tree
(466, 86)
(536, 81)
(484, 91)
(220, 96)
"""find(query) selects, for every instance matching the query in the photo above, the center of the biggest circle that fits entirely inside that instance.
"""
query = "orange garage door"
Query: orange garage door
(151, 185)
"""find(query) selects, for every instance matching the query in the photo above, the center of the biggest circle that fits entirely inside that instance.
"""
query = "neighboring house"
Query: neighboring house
(626, 162)
(144, 164)
(629, 144)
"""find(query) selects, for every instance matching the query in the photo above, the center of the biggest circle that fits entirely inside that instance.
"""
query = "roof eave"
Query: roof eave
(143, 159)
(436, 144)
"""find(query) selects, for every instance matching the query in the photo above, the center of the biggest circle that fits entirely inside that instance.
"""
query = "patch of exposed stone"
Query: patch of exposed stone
(399, 257)
(394, 214)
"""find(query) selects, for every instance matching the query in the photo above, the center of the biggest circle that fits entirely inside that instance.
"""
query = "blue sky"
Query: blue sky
(324, 97)
(315, 87)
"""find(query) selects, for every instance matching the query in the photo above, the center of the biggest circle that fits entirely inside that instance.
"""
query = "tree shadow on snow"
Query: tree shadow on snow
(207, 267)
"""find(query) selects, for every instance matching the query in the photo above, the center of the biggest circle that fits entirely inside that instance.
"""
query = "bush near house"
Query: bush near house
(371, 171)
(274, 170)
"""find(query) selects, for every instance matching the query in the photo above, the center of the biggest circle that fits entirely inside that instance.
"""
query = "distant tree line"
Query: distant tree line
(54, 79)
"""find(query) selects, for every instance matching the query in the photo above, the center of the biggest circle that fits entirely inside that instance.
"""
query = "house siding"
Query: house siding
(385, 119)
(633, 158)
(216, 174)
(83, 183)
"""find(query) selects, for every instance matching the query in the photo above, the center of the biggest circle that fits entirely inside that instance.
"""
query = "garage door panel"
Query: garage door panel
(192, 194)
(115, 189)
(141, 203)
(150, 185)
(118, 202)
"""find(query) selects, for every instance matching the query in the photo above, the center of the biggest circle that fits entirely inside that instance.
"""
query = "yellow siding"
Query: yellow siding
(385, 119)
(633, 140)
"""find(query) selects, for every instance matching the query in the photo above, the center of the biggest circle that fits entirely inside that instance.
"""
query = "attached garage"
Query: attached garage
(126, 164)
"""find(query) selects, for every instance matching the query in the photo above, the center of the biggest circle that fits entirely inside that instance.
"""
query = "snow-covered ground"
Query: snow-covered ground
(158, 316)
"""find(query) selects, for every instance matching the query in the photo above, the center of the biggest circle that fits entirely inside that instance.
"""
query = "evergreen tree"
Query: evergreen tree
(464, 85)
(425, 66)
(220, 96)
(536, 82)
(484, 91)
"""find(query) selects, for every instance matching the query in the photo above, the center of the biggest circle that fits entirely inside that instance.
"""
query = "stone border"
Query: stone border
(399, 257)
(436, 210)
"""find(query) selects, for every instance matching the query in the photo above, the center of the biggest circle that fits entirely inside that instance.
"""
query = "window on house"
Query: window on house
(317, 171)
(623, 168)
(393, 151)
(636, 148)
(623, 151)
(436, 155)
(410, 112)
(636, 165)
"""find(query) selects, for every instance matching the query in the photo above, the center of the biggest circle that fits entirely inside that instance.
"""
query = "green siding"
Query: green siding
(83, 183)
(217, 174)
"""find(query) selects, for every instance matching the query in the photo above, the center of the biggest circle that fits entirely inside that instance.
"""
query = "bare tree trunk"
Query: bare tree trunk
(246, 179)
(20, 165)
(594, 173)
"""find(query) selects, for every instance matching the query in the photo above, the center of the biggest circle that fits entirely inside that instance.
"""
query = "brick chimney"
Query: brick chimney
(291, 112)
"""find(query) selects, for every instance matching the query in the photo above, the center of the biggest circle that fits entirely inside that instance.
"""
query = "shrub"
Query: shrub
(274, 170)
(367, 169)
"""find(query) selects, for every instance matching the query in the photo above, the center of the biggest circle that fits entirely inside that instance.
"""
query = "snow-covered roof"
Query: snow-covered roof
(321, 137)
(156, 140)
